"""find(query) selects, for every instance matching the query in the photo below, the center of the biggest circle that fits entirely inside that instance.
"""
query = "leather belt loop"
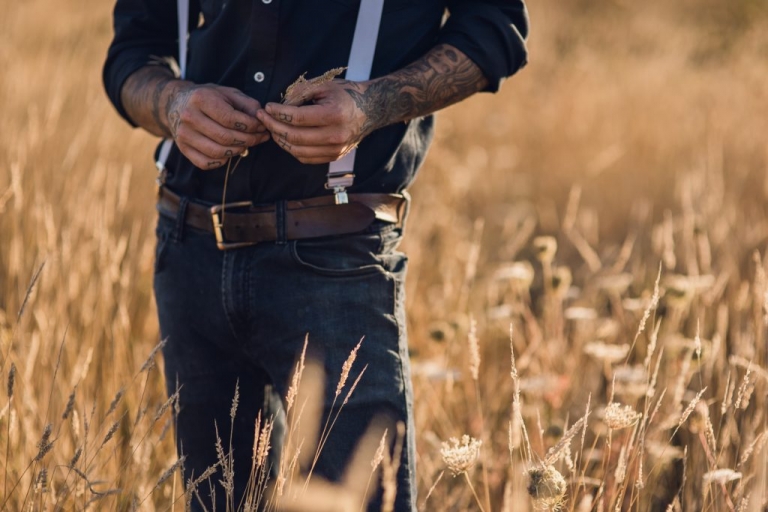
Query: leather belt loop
(181, 217)
(280, 222)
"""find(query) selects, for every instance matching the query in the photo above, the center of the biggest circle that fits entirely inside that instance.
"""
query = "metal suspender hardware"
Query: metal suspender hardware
(341, 172)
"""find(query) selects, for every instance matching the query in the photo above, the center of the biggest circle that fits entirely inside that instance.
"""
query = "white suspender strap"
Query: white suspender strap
(182, 18)
(341, 172)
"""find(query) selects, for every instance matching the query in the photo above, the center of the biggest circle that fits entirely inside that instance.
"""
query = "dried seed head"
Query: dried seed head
(75, 457)
(299, 91)
(379, 455)
(546, 485)
(70, 405)
(110, 432)
(293, 390)
(235, 401)
(262, 451)
(41, 484)
(617, 416)
(561, 281)
(461, 456)
(115, 401)
(346, 368)
(168, 472)
(545, 247)
(11, 380)
(474, 350)
(691, 406)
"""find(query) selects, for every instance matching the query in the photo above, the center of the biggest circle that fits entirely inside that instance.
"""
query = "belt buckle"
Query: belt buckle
(217, 216)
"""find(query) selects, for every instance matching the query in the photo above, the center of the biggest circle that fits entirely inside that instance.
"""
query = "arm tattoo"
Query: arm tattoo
(175, 108)
(157, 95)
(442, 77)
(144, 97)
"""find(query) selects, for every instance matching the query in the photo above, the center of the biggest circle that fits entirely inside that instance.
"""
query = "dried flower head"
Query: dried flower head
(721, 476)
(520, 274)
(580, 313)
(545, 247)
(561, 281)
(546, 485)
(617, 416)
(606, 351)
(460, 457)
(615, 283)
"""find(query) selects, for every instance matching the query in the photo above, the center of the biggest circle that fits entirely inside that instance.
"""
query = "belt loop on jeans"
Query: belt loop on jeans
(181, 216)
(280, 222)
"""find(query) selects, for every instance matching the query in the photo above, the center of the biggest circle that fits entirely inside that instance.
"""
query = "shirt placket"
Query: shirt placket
(260, 70)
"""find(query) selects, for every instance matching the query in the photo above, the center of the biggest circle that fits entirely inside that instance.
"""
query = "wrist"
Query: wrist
(171, 96)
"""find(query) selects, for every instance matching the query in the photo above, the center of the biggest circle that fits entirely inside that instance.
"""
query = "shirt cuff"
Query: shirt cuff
(496, 46)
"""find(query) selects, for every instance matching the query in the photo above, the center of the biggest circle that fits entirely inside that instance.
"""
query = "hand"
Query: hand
(211, 123)
(323, 131)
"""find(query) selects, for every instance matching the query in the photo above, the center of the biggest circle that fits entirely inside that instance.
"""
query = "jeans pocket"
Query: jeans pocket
(341, 256)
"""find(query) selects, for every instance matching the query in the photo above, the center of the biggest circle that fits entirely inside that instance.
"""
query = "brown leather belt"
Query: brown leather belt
(244, 224)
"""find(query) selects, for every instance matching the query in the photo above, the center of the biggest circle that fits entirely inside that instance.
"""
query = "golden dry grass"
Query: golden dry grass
(635, 138)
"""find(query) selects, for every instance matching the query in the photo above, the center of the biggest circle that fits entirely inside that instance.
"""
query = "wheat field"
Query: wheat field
(587, 299)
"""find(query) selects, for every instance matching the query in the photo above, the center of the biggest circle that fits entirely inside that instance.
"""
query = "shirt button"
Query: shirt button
(259, 76)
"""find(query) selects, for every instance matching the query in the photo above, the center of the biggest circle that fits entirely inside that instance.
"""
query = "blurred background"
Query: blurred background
(635, 139)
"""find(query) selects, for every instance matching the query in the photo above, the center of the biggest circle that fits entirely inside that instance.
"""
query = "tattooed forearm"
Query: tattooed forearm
(442, 77)
(145, 96)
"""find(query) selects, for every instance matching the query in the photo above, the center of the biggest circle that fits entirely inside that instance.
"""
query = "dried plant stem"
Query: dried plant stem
(326, 433)
(486, 485)
(431, 489)
(472, 488)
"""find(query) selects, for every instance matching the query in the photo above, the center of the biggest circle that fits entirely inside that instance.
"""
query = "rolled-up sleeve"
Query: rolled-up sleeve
(145, 33)
(492, 33)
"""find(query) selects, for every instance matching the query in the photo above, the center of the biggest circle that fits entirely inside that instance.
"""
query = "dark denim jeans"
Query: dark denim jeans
(242, 316)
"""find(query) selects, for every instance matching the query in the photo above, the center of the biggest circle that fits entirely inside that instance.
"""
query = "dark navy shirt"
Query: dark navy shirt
(262, 46)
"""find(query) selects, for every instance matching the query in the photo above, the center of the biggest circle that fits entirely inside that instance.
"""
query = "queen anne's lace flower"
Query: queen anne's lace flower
(460, 457)
(617, 416)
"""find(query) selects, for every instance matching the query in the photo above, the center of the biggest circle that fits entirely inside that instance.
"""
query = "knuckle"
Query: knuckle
(197, 96)
(335, 115)
(223, 137)
(185, 116)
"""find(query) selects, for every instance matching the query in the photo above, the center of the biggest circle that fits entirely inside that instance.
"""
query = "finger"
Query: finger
(241, 101)
(327, 152)
(301, 136)
(220, 134)
(308, 115)
(244, 103)
(219, 110)
(198, 159)
(208, 147)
